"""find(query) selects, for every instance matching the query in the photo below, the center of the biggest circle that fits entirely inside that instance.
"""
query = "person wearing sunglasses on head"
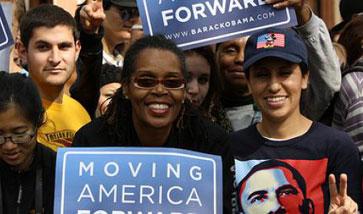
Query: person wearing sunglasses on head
(26, 167)
(107, 28)
(151, 110)
(120, 16)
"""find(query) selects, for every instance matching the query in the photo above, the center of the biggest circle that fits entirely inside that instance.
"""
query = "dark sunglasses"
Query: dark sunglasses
(128, 12)
(149, 83)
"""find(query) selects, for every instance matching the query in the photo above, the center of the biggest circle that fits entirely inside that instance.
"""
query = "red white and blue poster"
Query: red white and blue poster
(280, 186)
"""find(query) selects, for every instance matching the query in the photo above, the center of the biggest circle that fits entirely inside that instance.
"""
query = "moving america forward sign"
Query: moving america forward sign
(137, 181)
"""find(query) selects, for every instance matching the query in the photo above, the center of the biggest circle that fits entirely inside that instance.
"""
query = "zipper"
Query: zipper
(20, 194)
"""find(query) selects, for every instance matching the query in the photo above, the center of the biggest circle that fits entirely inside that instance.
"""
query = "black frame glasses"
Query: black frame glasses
(150, 83)
(18, 138)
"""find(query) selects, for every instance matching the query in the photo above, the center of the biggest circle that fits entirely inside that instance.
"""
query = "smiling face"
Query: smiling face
(230, 59)
(51, 55)
(157, 107)
(276, 86)
(13, 121)
(198, 70)
(276, 194)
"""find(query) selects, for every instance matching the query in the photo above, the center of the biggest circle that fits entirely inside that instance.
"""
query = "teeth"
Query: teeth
(276, 99)
(159, 106)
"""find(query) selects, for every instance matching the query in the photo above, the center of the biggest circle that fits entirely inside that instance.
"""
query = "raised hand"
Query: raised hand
(92, 15)
(287, 3)
(303, 13)
(340, 202)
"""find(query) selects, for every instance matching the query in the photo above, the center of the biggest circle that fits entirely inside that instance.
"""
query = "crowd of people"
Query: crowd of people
(282, 106)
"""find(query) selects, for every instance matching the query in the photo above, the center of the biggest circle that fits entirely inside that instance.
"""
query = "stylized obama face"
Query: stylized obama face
(272, 190)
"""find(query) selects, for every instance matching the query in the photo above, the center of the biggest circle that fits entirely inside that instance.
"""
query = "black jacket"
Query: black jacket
(11, 181)
(95, 134)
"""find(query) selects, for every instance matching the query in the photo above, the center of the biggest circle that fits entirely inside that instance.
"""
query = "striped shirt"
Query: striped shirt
(348, 112)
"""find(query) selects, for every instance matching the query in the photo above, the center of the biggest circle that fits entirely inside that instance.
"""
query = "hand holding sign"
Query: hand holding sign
(92, 15)
(302, 10)
(340, 202)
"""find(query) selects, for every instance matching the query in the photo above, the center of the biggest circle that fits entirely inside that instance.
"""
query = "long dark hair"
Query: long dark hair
(118, 117)
(214, 80)
(17, 90)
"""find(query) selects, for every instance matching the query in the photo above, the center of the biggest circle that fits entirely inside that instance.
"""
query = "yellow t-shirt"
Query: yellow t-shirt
(62, 121)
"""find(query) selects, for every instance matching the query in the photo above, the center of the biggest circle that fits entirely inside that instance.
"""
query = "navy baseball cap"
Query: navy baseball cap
(124, 3)
(275, 42)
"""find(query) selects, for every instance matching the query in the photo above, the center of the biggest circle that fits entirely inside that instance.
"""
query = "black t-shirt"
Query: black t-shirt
(20, 186)
(96, 134)
(270, 172)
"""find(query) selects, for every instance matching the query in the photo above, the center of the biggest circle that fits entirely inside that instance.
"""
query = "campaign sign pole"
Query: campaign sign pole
(194, 23)
(5, 35)
(128, 180)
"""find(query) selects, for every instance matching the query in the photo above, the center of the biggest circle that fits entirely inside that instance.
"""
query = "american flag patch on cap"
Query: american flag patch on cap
(271, 40)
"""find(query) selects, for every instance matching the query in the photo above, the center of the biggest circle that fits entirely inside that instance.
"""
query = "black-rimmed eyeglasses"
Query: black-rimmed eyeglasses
(18, 138)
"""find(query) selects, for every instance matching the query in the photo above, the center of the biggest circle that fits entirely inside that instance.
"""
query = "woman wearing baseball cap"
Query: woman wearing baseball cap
(276, 69)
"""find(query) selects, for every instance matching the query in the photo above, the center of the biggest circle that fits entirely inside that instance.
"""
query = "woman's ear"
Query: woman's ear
(305, 80)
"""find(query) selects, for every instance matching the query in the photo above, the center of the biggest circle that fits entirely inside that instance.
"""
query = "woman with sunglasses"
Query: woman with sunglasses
(151, 110)
(26, 167)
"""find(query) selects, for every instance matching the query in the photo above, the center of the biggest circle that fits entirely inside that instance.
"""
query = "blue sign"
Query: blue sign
(5, 35)
(137, 180)
(194, 23)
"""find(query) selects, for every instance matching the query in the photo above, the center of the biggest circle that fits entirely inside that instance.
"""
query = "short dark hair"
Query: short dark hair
(109, 74)
(150, 42)
(45, 15)
(20, 91)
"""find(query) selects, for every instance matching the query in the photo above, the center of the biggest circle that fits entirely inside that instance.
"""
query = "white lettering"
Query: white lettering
(197, 176)
(251, 2)
(168, 195)
(103, 190)
(234, 4)
(133, 171)
(166, 16)
(83, 212)
(196, 199)
(217, 5)
(106, 169)
(154, 170)
(142, 194)
(83, 167)
(86, 195)
(179, 11)
(171, 169)
(124, 193)
(261, 2)
(198, 10)
(160, 194)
